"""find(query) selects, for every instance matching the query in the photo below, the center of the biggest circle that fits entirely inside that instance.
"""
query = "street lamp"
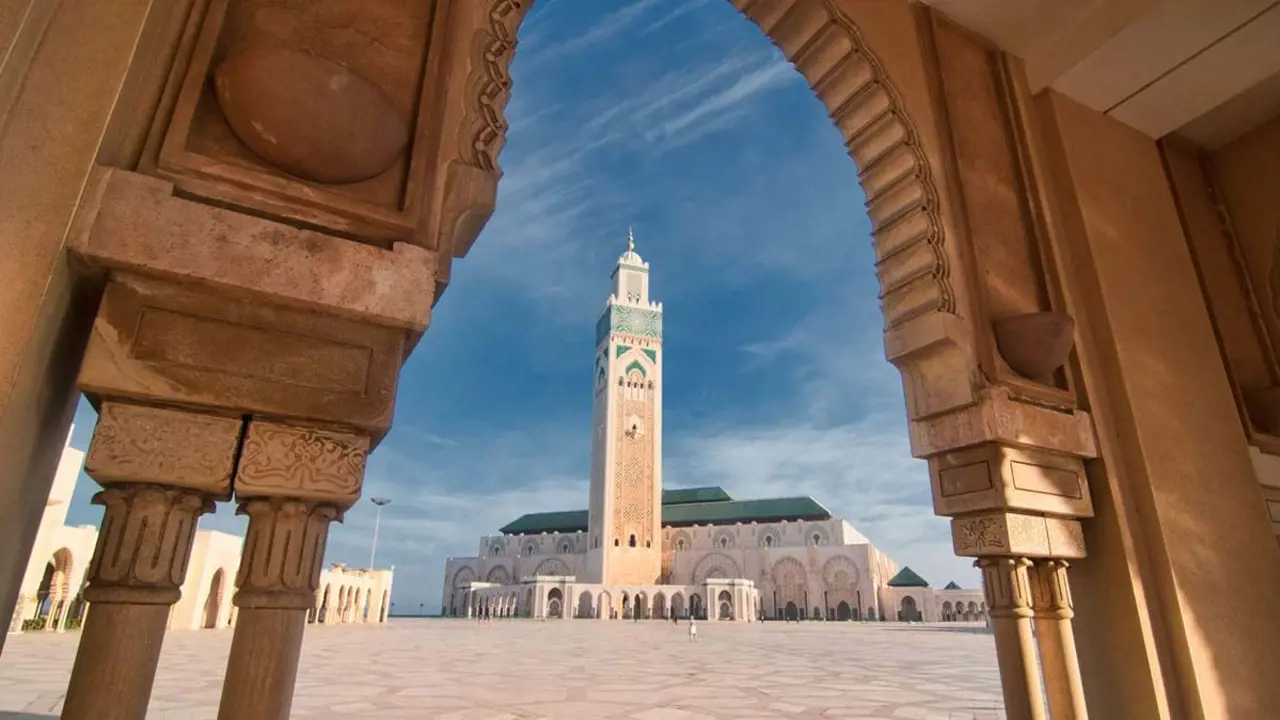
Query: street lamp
(377, 520)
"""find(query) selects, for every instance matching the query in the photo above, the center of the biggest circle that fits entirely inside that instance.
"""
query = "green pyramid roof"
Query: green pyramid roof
(952, 586)
(907, 578)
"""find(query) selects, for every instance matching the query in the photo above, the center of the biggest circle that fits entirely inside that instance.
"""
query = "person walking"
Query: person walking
(693, 629)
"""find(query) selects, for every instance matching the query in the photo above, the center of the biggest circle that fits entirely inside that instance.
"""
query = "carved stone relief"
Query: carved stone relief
(141, 444)
(144, 543)
(283, 552)
(1008, 533)
(279, 460)
(1006, 585)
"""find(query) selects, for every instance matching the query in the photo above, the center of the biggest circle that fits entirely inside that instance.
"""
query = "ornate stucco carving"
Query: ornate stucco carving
(485, 127)
(164, 446)
(280, 460)
(839, 573)
(144, 543)
(283, 552)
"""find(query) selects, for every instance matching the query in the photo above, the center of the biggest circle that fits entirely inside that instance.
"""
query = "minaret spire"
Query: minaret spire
(631, 240)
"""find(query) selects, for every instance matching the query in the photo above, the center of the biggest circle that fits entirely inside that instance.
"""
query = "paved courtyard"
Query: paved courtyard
(576, 670)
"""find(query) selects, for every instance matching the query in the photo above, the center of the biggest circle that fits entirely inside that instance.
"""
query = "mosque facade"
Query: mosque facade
(640, 551)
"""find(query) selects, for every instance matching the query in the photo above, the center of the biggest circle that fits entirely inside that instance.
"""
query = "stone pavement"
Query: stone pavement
(575, 670)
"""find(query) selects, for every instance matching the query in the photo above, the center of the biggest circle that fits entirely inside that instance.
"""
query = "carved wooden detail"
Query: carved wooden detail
(144, 543)
(283, 552)
(1006, 585)
(163, 446)
(279, 460)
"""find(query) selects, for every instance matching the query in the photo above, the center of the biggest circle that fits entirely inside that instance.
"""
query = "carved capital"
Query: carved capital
(1005, 533)
(163, 446)
(283, 552)
(288, 461)
(1007, 586)
(144, 543)
(1050, 589)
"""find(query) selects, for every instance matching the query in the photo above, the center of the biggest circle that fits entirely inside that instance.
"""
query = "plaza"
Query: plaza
(464, 670)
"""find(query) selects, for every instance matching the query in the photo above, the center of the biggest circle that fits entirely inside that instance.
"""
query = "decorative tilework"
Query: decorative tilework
(634, 321)
(622, 350)
(651, 354)
(637, 366)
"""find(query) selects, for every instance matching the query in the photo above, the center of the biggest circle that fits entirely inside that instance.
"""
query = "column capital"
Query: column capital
(172, 447)
(996, 534)
(305, 463)
(144, 543)
(1006, 586)
(283, 552)
(1050, 589)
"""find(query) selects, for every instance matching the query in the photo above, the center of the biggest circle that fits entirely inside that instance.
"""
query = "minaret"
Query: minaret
(625, 525)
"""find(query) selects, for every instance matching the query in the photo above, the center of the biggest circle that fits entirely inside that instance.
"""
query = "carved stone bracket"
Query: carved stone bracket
(1006, 533)
(283, 552)
(144, 543)
(289, 461)
(163, 446)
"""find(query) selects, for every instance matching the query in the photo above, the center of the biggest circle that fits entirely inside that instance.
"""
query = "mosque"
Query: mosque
(640, 551)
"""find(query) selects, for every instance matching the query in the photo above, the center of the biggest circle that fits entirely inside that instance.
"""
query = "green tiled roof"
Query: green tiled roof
(907, 578)
(693, 495)
(563, 521)
(681, 508)
(952, 586)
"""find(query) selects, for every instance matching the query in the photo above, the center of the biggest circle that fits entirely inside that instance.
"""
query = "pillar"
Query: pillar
(1051, 602)
(160, 469)
(292, 482)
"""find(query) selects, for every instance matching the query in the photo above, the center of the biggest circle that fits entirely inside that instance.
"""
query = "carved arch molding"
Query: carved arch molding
(828, 49)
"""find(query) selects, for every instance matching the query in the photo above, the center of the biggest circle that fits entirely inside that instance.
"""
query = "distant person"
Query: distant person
(693, 629)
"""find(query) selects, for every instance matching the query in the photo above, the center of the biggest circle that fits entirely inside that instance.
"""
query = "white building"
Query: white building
(642, 551)
(50, 598)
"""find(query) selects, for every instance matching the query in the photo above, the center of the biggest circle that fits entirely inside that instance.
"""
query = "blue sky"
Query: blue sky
(680, 118)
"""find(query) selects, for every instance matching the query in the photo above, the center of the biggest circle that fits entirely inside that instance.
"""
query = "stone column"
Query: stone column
(292, 482)
(1051, 601)
(160, 469)
(1008, 592)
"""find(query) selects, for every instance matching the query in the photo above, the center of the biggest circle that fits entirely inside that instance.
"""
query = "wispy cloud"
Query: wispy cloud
(604, 29)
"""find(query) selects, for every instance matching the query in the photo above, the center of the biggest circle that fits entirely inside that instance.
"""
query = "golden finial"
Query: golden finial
(631, 240)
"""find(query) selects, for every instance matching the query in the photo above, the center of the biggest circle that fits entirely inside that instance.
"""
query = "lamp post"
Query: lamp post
(377, 521)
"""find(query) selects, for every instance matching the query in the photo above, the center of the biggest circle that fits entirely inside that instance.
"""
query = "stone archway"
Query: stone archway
(585, 609)
(929, 338)
(724, 605)
(555, 603)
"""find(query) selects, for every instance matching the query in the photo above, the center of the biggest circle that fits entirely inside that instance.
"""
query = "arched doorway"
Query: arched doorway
(946, 612)
(695, 606)
(791, 612)
(724, 603)
(659, 606)
(325, 607)
(213, 602)
(555, 603)
(677, 605)
(386, 606)
(843, 611)
(641, 608)
(908, 611)
(584, 605)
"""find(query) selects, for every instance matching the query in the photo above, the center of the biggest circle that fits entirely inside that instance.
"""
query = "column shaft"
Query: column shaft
(135, 576)
(1051, 600)
(1007, 588)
